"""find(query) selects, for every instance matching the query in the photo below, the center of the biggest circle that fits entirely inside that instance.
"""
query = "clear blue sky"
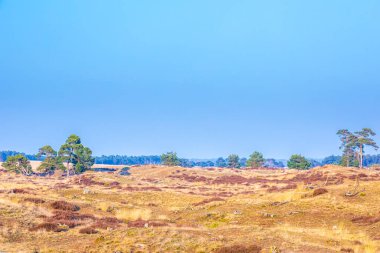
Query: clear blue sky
(203, 78)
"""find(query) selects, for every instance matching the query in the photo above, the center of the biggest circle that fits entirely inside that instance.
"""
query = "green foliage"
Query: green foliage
(19, 164)
(349, 161)
(84, 159)
(298, 162)
(170, 159)
(353, 145)
(220, 162)
(46, 151)
(256, 160)
(332, 160)
(233, 161)
(73, 152)
(51, 162)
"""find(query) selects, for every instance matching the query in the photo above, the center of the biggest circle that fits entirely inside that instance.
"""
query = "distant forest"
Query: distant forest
(5, 154)
(127, 160)
(220, 162)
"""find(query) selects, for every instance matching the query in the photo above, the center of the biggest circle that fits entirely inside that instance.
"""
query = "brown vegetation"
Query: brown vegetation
(319, 191)
(193, 210)
(88, 230)
(106, 222)
(206, 201)
(19, 191)
(35, 200)
(142, 223)
(239, 249)
(366, 220)
(63, 205)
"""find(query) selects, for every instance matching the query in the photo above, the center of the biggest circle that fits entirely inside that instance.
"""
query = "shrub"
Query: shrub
(19, 191)
(206, 201)
(48, 226)
(347, 250)
(366, 220)
(69, 215)
(106, 222)
(319, 191)
(63, 205)
(35, 200)
(88, 231)
(137, 223)
(239, 249)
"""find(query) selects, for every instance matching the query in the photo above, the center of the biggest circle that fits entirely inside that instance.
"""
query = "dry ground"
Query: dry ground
(163, 209)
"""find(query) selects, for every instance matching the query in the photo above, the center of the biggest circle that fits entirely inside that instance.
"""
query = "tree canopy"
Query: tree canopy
(51, 161)
(220, 162)
(170, 159)
(19, 164)
(255, 160)
(75, 155)
(353, 145)
(298, 162)
(233, 161)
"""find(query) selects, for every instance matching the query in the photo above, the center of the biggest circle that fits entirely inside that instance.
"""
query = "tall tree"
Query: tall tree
(170, 159)
(364, 139)
(84, 159)
(353, 144)
(255, 160)
(233, 161)
(348, 145)
(19, 164)
(298, 162)
(51, 160)
(75, 154)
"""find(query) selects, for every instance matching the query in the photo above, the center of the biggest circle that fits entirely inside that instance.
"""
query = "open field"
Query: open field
(173, 209)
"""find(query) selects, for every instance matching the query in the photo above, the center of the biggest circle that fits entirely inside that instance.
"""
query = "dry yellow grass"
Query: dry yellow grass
(163, 209)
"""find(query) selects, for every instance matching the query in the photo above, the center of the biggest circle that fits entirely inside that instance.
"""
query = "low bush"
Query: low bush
(63, 205)
(88, 231)
(70, 215)
(137, 224)
(106, 222)
(347, 250)
(319, 191)
(47, 226)
(19, 191)
(35, 200)
(206, 201)
(239, 249)
(366, 220)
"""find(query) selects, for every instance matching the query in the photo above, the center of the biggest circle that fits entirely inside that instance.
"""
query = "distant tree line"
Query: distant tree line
(256, 160)
(368, 160)
(127, 160)
(73, 157)
(4, 155)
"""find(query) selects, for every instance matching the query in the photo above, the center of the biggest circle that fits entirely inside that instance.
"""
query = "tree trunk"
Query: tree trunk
(67, 169)
(361, 156)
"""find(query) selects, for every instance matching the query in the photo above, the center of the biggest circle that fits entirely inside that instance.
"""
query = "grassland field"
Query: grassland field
(175, 209)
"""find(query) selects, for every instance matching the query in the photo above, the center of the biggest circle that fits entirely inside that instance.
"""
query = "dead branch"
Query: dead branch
(355, 191)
